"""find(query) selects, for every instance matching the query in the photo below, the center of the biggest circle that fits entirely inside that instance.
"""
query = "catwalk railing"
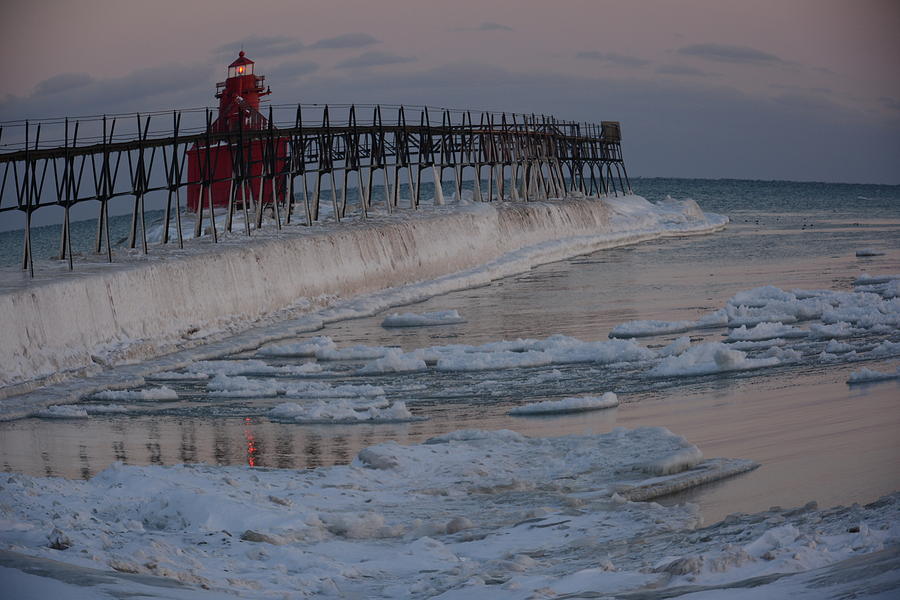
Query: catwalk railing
(127, 158)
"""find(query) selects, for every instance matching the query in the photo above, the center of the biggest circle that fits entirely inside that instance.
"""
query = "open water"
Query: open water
(816, 437)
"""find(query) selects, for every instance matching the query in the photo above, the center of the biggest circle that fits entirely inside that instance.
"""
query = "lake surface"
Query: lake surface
(816, 437)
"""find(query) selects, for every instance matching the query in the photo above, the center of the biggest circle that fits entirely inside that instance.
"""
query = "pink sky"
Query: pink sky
(651, 64)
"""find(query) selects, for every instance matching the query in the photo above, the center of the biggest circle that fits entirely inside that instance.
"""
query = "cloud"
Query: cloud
(144, 89)
(683, 70)
(373, 59)
(492, 26)
(890, 103)
(292, 69)
(486, 26)
(262, 45)
(347, 40)
(730, 54)
(801, 89)
(62, 82)
(614, 58)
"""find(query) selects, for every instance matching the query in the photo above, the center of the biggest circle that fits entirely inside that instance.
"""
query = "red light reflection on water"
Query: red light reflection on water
(252, 450)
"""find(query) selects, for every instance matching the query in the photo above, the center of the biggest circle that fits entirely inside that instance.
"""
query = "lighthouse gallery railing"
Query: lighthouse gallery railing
(125, 158)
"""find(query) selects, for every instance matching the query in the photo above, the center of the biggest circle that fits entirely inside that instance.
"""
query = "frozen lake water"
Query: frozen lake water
(816, 437)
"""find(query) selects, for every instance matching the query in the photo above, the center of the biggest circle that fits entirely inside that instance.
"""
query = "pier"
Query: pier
(303, 155)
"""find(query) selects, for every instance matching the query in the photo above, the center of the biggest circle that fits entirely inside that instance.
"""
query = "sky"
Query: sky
(803, 90)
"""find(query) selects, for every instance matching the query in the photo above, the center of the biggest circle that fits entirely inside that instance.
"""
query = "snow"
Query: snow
(443, 317)
(470, 514)
(567, 405)
(157, 394)
(865, 375)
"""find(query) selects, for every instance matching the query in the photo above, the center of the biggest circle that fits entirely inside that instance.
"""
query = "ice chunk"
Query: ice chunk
(307, 348)
(341, 411)
(317, 389)
(488, 361)
(682, 460)
(394, 361)
(766, 331)
(567, 405)
(866, 279)
(443, 317)
(647, 328)
(80, 411)
(358, 352)
(704, 359)
(865, 375)
(239, 386)
(176, 376)
(62, 411)
(833, 331)
(161, 394)
(761, 296)
(869, 252)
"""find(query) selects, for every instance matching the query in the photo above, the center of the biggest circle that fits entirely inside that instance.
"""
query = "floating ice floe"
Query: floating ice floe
(648, 328)
(866, 279)
(394, 361)
(358, 352)
(869, 252)
(568, 405)
(249, 367)
(80, 411)
(239, 386)
(865, 375)
(443, 317)
(708, 358)
(307, 348)
(62, 411)
(766, 331)
(153, 394)
(176, 376)
(344, 411)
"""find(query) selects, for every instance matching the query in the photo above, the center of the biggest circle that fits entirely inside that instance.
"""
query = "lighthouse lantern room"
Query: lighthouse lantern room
(239, 96)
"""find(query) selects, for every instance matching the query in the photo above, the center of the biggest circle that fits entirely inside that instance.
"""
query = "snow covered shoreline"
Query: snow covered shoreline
(79, 325)
(469, 514)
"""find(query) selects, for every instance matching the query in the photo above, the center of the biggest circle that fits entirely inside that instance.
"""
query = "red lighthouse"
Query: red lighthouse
(239, 97)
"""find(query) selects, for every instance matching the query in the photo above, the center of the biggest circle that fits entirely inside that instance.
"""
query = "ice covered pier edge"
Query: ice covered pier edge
(78, 323)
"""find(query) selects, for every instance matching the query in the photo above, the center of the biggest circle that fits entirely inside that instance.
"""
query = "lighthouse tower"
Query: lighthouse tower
(239, 97)
(219, 164)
